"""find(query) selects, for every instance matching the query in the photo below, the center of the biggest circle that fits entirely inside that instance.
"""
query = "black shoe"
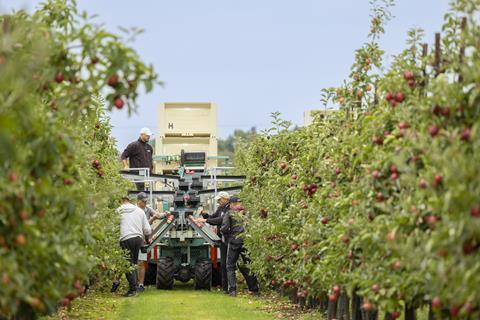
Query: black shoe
(130, 294)
(115, 286)
(255, 293)
(233, 294)
(140, 288)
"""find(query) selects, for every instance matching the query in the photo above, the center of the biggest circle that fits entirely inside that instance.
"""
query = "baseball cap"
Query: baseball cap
(146, 131)
(235, 199)
(142, 196)
(222, 194)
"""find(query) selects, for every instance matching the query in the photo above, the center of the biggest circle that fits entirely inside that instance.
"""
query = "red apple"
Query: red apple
(324, 220)
(434, 130)
(119, 103)
(71, 296)
(294, 177)
(367, 307)
(437, 180)
(376, 174)
(294, 246)
(67, 182)
(332, 297)
(380, 197)
(445, 111)
(77, 285)
(422, 184)
(94, 60)
(5, 279)
(253, 179)
(454, 311)
(345, 239)
(412, 83)
(389, 96)
(437, 110)
(59, 77)
(436, 303)
(273, 282)
(408, 75)
(395, 314)
(400, 97)
(397, 265)
(469, 247)
(65, 302)
(23, 215)
(21, 240)
(377, 140)
(13, 177)
(475, 212)
(466, 133)
(96, 163)
(113, 80)
(394, 176)
(376, 288)
(468, 307)
(393, 103)
(337, 171)
(403, 125)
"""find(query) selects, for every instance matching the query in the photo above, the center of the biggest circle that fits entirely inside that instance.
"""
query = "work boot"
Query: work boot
(254, 293)
(130, 294)
(233, 294)
(140, 288)
(115, 286)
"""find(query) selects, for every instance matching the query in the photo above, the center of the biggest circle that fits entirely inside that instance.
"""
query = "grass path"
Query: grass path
(181, 303)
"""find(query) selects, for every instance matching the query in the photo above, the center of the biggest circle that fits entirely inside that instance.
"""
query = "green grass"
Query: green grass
(186, 303)
(182, 303)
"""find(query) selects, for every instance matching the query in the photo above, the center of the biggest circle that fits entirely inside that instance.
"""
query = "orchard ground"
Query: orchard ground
(183, 303)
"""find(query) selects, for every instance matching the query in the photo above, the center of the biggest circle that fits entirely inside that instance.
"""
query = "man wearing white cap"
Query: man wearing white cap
(139, 153)
(223, 200)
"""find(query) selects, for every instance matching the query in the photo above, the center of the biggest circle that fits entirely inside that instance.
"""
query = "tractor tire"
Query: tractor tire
(203, 274)
(151, 274)
(165, 273)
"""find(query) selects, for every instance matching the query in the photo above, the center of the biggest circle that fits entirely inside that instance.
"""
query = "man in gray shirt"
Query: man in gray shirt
(134, 227)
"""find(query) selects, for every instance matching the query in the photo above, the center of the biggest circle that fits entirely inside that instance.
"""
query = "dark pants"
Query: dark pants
(234, 253)
(223, 262)
(133, 246)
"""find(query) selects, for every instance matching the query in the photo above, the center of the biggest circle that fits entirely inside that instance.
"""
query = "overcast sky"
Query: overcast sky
(251, 57)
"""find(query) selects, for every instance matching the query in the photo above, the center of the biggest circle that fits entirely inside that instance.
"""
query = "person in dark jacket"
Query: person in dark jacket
(216, 219)
(232, 229)
(139, 154)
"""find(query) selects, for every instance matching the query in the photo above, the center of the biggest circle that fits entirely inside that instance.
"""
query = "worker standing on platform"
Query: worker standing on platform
(139, 154)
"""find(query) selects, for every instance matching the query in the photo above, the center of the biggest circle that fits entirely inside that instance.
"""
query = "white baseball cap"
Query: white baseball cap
(146, 131)
(222, 194)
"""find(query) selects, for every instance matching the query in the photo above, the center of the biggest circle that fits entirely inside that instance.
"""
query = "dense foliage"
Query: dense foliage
(380, 198)
(59, 181)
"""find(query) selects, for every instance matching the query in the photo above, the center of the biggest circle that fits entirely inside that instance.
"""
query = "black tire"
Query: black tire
(203, 274)
(165, 273)
(151, 274)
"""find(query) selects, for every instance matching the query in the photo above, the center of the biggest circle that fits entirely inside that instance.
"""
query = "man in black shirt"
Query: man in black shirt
(233, 229)
(215, 219)
(139, 153)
